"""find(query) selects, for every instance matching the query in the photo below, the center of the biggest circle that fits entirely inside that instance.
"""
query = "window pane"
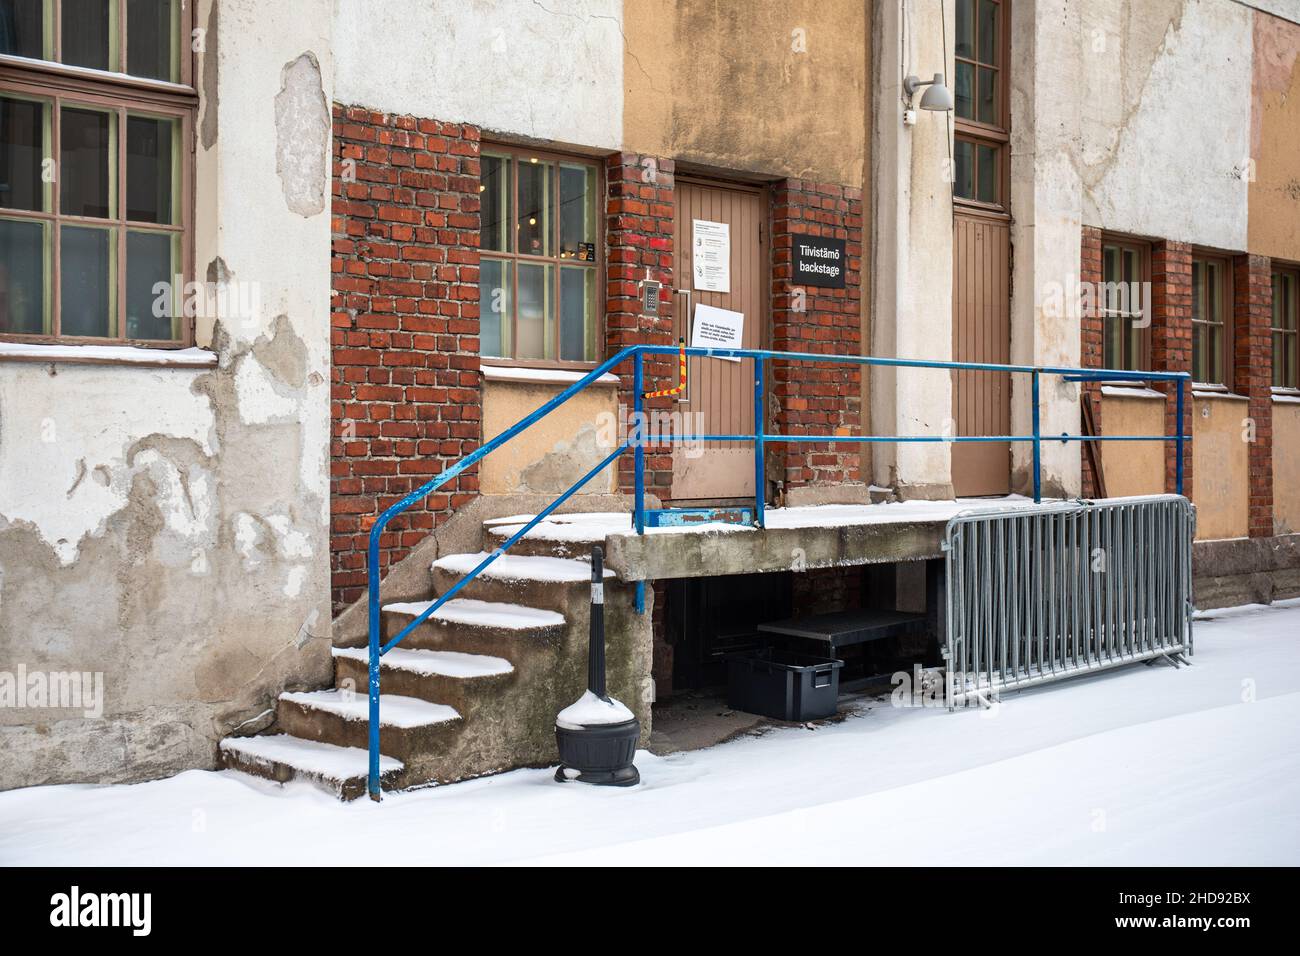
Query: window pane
(23, 28)
(151, 258)
(1110, 271)
(494, 191)
(578, 313)
(152, 29)
(1198, 300)
(1113, 356)
(966, 29)
(536, 312)
(1200, 353)
(150, 173)
(964, 169)
(87, 281)
(988, 104)
(24, 269)
(989, 32)
(22, 149)
(1279, 360)
(964, 91)
(494, 281)
(89, 34)
(577, 212)
(86, 161)
(534, 226)
(986, 167)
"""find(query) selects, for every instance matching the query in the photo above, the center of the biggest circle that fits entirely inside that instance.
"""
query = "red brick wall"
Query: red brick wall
(639, 239)
(405, 398)
(817, 399)
(827, 589)
(1093, 351)
(1171, 343)
(1252, 351)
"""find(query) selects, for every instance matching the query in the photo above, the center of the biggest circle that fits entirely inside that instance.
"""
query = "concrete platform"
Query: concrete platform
(807, 538)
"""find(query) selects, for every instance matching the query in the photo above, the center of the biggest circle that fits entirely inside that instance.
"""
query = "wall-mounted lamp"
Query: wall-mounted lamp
(938, 97)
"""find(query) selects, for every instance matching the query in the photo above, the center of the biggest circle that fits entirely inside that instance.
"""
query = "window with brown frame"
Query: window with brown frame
(1122, 299)
(979, 145)
(1211, 319)
(1286, 320)
(96, 114)
(539, 275)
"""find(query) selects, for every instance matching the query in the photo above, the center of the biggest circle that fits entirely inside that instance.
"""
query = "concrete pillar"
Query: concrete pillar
(911, 238)
(1046, 204)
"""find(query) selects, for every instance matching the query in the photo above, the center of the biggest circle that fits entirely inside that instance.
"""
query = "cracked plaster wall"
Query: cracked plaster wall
(552, 71)
(166, 526)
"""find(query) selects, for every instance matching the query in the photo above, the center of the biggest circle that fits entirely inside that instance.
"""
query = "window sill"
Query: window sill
(1217, 391)
(525, 375)
(1286, 396)
(1130, 389)
(107, 355)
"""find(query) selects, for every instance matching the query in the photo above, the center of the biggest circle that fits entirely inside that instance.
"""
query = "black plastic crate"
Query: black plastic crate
(783, 685)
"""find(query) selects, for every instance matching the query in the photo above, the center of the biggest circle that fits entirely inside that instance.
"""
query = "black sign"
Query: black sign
(819, 261)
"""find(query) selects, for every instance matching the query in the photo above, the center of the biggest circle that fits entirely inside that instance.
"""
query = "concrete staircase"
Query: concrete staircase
(476, 687)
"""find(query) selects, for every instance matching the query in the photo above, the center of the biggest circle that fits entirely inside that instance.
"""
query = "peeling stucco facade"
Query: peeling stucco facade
(167, 527)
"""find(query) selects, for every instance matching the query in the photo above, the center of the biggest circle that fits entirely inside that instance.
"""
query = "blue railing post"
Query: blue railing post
(1178, 442)
(638, 446)
(372, 575)
(1038, 445)
(759, 479)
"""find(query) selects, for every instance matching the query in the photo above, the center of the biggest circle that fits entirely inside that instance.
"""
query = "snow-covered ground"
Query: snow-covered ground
(1147, 765)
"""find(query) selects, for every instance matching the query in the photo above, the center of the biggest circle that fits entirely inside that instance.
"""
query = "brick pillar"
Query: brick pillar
(639, 238)
(1252, 354)
(817, 399)
(1171, 343)
(1092, 325)
(405, 395)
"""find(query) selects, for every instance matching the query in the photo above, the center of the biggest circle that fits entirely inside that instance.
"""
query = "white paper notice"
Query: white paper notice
(711, 255)
(716, 328)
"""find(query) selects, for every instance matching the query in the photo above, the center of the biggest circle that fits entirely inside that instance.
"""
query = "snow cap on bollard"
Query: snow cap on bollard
(597, 735)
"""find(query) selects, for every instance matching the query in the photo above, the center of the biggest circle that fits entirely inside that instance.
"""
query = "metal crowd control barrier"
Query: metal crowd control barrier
(638, 438)
(1060, 590)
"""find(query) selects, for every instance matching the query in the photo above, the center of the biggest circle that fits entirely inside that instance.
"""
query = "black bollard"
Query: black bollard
(597, 736)
(596, 632)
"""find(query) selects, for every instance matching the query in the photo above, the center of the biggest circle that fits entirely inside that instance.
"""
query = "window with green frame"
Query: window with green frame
(1286, 313)
(1211, 319)
(93, 170)
(1123, 304)
(539, 268)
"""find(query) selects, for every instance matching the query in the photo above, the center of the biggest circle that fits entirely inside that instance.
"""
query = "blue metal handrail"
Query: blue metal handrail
(638, 439)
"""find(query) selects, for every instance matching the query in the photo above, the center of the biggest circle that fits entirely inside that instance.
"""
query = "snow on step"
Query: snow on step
(584, 528)
(433, 663)
(394, 711)
(310, 757)
(514, 617)
(516, 567)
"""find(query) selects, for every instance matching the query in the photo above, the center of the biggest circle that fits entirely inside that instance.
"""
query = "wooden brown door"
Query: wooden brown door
(981, 332)
(719, 399)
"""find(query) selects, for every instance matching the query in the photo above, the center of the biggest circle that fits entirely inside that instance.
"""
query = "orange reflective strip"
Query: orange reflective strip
(681, 379)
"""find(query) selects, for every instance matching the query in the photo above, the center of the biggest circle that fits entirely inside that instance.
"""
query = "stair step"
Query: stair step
(403, 712)
(432, 663)
(471, 613)
(514, 567)
(561, 536)
(339, 770)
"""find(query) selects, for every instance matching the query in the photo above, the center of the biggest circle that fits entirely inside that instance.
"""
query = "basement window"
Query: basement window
(94, 172)
(539, 274)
